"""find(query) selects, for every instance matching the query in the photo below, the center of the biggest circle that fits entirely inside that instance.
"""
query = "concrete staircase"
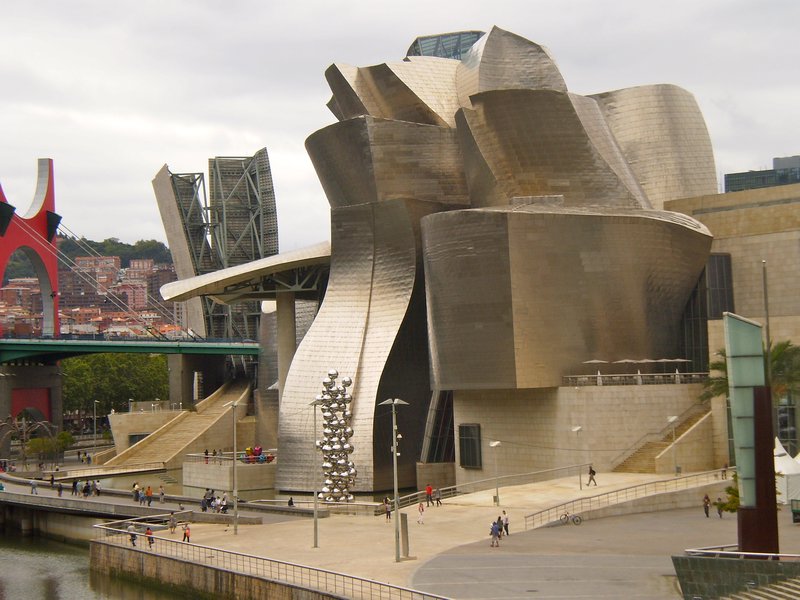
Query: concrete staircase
(783, 590)
(186, 433)
(643, 460)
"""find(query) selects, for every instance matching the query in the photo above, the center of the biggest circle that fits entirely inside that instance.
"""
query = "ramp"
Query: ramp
(189, 432)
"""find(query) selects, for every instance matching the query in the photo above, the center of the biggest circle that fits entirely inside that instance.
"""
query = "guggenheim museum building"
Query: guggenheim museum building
(507, 258)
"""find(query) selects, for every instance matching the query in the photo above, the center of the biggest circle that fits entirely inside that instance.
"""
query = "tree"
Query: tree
(113, 379)
(784, 369)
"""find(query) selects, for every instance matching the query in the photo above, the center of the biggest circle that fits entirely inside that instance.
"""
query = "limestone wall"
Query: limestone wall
(123, 425)
(183, 576)
(535, 426)
(252, 481)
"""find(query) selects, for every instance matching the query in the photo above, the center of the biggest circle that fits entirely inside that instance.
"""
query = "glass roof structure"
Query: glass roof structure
(444, 45)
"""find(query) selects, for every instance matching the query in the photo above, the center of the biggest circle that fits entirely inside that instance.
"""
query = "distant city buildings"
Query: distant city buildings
(97, 296)
(784, 171)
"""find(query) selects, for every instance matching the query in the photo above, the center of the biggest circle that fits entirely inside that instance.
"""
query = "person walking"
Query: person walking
(173, 522)
(132, 534)
(706, 504)
(187, 534)
(34, 487)
(437, 496)
(421, 517)
(161, 494)
(74, 487)
(148, 534)
(505, 522)
(148, 494)
(60, 489)
(387, 506)
(429, 494)
(719, 504)
(592, 480)
(495, 533)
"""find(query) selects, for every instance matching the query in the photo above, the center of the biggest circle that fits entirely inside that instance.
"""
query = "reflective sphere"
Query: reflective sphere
(333, 373)
(347, 382)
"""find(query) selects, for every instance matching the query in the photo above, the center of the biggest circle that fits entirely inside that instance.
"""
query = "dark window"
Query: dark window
(719, 281)
(442, 447)
(469, 445)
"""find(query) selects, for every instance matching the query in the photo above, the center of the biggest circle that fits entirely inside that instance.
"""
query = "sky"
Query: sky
(111, 91)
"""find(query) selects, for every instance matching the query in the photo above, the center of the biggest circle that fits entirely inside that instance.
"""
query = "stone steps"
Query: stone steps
(782, 590)
(179, 434)
(643, 460)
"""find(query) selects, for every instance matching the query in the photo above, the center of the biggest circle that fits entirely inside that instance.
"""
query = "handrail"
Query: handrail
(312, 578)
(721, 552)
(552, 514)
(633, 379)
(103, 471)
(470, 487)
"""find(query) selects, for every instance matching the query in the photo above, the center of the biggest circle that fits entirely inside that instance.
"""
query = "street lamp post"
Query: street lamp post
(314, 406)
(671, 420)
(495, 444)
(576, 429)
(394, 402)
(233, 404)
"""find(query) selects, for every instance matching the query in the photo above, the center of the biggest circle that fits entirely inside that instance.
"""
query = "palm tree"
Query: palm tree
(784, 365)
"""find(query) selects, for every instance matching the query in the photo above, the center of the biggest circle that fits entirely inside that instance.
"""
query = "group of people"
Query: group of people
(433, 497)
(214, 503)
(498, 529)
(145, 496)
(707, 505)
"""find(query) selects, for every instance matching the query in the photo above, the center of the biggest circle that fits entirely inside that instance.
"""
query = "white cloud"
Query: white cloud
(111, 91)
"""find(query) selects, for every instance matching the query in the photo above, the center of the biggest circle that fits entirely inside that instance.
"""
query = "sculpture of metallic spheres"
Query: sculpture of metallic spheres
(337, 468)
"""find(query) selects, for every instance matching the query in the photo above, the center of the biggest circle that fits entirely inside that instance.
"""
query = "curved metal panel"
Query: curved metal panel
(501, 60)
(534, 143)
(557, 287)
(370, 160)
(664, 137)
(373, 271)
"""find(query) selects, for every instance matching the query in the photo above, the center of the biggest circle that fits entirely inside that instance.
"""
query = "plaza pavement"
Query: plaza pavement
(616, 557)
(605, 558)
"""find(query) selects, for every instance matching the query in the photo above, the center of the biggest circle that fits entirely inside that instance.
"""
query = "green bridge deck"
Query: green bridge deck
(51, 350)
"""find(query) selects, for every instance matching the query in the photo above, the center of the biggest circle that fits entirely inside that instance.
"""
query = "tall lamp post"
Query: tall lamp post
(671, 420)
(576, 429)
(495, 444)
(319, 400)
(233, 404)
(394, 402)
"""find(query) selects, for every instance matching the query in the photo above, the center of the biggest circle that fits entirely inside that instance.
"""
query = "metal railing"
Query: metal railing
(724, 551)
(581, 505)
(332, 582)
(633, 379)
(102, 471)
(480, 485)
(270, 456)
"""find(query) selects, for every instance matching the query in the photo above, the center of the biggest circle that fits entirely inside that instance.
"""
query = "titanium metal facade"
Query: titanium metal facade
(536, 215)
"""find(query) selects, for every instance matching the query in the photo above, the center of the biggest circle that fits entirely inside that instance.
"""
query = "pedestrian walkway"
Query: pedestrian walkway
(451, 554)
(364, 546)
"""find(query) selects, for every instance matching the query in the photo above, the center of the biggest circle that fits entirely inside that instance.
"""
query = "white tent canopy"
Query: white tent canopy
(788, 486)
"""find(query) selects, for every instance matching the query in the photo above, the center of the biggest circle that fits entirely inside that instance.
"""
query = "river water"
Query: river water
(34, 568)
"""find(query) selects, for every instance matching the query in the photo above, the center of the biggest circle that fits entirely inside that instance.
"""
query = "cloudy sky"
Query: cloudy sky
(113, 90)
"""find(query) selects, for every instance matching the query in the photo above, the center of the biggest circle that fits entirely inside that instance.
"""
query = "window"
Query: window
(469, 445)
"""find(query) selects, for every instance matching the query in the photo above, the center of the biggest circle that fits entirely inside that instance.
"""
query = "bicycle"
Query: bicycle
(567, 517)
